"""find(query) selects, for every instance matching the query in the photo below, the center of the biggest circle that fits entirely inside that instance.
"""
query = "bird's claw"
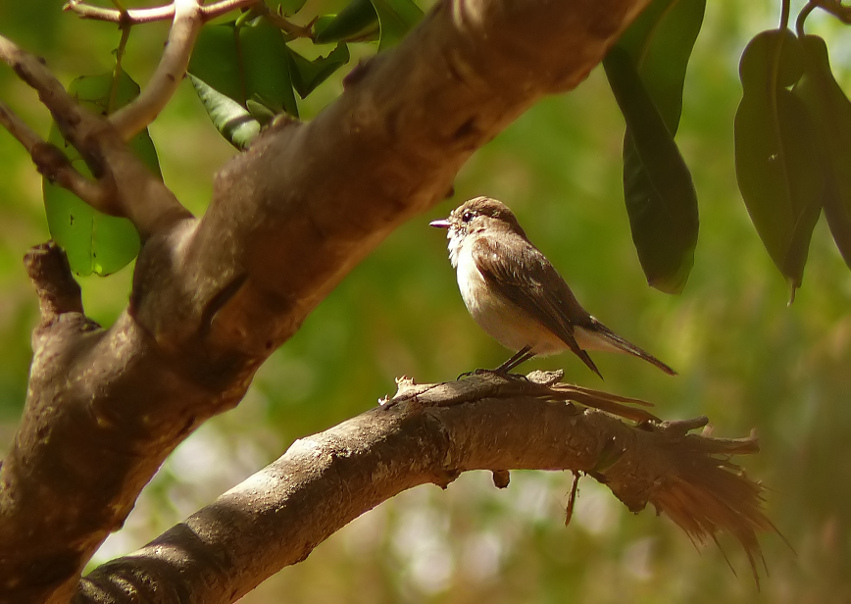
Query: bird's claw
(503, 374)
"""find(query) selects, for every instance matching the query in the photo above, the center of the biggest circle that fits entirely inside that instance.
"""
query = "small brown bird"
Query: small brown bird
(515, 294)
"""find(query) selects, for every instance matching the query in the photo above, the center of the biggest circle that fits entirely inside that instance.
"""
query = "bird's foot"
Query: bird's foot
(496, 372)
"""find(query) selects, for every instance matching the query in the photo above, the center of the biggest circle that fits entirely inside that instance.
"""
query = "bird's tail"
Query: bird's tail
(597, 336)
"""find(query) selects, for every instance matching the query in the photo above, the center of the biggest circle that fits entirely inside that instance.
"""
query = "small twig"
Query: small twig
(34, 73)
(802, 17)
(134, 117)
(17, 128)
(138, 16)
(571, 498)
(133, 16)
(116, 74)
(52, 163)
(288, 27)
(784, 14)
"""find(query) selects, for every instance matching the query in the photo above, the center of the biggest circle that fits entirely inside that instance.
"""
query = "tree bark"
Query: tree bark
(213, 297)
(431, 434)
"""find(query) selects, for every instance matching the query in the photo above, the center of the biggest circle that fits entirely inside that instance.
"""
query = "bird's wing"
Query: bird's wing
(524, 276)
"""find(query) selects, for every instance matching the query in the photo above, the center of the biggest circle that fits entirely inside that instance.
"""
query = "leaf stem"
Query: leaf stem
(116, 74)
(784, 14)
(802, 16)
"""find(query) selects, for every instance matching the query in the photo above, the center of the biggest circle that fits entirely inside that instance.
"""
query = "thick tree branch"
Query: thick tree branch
(213, 298)
(279, 515)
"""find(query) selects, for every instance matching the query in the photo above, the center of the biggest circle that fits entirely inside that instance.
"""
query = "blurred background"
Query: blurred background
(745, 359)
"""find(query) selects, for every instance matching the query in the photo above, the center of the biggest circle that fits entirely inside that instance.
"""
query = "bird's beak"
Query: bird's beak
(439, 224)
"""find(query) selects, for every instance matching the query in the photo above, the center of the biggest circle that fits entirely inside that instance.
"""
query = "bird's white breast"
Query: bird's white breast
(503, 320)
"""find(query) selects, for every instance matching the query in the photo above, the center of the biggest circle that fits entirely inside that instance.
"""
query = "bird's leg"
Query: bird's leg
(521, 356)
(503, 370)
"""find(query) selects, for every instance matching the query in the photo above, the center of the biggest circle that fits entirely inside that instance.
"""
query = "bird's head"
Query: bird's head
(478, 214)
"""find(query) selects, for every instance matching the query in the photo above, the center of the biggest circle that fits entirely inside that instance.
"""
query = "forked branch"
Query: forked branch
(124, 186)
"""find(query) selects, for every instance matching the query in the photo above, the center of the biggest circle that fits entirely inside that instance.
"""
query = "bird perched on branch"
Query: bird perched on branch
(515, 294)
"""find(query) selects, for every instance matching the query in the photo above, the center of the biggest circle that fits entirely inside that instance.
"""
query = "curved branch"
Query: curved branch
(139, 16)
(136, 115)
(276, 517)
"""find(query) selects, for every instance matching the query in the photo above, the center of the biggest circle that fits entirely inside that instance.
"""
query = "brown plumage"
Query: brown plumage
(515, 294)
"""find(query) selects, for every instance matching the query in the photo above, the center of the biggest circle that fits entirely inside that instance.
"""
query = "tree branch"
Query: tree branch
(124, 186)
(53, 164)
(144, 109)
(288, 220)
(279, 515)
(139, 16)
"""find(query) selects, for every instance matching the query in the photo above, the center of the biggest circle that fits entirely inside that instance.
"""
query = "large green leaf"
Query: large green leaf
(777, 164)
(646, 70)
(660, 197)
(307, 75)
(395, 19)
(831, 113)
(357, 22)
(660, 42)
(215, 60)
(247, 64)
(265, 70)
(360, 20)
(94, 242)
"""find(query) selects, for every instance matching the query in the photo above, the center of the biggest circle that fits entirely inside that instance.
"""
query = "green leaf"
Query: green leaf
(234, 122)
(660, 42)
(215, 61)
(660, 197)
(395, 19)
(265, 66)
(307, 75)
(94, 242)
(777, 165)
(647, 72)
(357, 22)
(831, 113)
(248, 65)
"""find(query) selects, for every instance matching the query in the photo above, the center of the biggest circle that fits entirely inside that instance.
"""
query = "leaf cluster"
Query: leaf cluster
(793, 147)
(245, 72)
(792, 142)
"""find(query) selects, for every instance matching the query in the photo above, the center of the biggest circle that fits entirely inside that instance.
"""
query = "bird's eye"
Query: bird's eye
(467, 217)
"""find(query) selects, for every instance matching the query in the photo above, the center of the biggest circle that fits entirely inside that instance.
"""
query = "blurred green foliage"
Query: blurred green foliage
(745, 359)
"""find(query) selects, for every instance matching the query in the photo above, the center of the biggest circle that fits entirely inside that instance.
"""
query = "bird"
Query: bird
(516, 295)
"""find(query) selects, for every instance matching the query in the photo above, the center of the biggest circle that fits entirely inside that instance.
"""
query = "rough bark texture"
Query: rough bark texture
(276, 517)
(213, 297)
